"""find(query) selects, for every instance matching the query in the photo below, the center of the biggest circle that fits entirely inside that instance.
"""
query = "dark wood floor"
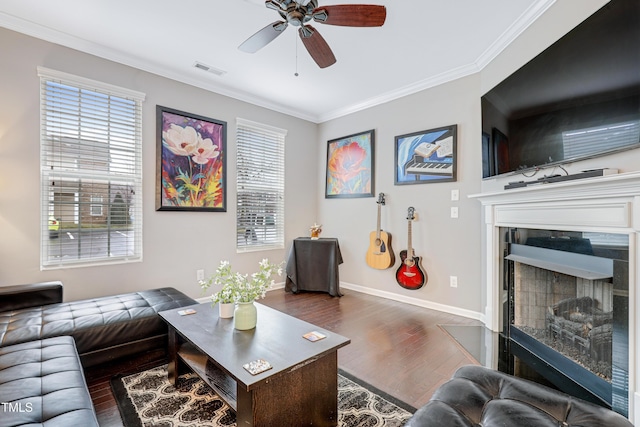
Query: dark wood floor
(396, 347)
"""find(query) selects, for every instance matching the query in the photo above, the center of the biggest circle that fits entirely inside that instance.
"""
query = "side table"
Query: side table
(312, 265)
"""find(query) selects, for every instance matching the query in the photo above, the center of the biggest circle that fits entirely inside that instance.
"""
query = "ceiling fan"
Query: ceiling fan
(299, 12)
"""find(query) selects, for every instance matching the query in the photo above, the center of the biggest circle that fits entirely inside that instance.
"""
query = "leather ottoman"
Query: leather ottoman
(103, 328)
(42, 384)
(479, 396)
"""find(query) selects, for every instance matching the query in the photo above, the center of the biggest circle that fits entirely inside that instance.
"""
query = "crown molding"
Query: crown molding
(44, 33)
(411, 89)
(513, 31)
(506, 38)
(57, 37)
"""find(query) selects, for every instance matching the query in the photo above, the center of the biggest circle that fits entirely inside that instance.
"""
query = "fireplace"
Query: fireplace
(567, 311)
(566, 331)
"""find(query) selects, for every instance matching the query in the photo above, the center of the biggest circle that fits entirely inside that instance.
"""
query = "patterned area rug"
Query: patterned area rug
(148, 399)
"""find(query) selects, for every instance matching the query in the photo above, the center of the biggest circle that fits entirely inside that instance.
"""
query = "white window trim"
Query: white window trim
(86, 83)
(97, 203)
(112, 90)
(283, 133)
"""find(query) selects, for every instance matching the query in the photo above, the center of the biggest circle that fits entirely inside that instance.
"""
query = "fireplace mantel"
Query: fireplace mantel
(624, 184)
(607, 204)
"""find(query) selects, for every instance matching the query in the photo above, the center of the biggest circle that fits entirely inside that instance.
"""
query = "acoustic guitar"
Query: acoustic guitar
(380, 255)
(410, 275)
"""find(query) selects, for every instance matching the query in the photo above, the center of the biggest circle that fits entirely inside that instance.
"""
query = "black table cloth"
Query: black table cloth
(312, 265)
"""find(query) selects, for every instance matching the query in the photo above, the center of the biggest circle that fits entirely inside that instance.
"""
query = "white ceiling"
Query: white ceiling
(422, 43)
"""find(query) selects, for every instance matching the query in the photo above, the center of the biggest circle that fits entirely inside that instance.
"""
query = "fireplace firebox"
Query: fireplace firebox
(607, 204)
(566, 311)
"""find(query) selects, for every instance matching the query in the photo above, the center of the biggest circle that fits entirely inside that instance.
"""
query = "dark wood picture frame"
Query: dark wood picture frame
(350, 170)
(488, 157)
(500, 144)
(191, 162)
(428, 156)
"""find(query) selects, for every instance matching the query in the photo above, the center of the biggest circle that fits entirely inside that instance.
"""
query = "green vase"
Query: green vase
(245, 316)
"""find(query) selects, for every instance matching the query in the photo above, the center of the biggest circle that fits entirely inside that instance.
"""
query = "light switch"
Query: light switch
(455, 195)
(454, 212)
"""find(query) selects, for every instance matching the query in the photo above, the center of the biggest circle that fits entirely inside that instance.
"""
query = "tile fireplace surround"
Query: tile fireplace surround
(608, 204)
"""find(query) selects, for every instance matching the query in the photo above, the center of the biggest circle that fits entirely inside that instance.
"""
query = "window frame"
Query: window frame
(97, 202)
(64, 172)
(265, 196)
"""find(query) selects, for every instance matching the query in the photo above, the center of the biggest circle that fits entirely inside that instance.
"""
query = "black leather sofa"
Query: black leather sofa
(479, 396)
(42, 384)
(45, 343)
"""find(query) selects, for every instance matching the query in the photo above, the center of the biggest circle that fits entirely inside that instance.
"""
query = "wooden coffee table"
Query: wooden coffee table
(301, 388)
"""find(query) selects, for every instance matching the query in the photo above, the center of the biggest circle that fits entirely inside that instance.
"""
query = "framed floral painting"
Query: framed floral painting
(191, 162)
(350, 166)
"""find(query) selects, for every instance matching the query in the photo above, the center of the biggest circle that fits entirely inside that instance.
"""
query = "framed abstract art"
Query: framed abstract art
(350, 166)
(426, 157)
(191, 162)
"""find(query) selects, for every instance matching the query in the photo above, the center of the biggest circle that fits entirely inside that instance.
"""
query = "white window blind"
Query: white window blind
(583, 142)
(260, 186)
(91, 171)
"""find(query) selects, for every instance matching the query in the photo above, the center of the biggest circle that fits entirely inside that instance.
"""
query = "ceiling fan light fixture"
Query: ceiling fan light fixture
(280, 26)
(305, 32)
(320, 16)
(270, 4)
(299, 12)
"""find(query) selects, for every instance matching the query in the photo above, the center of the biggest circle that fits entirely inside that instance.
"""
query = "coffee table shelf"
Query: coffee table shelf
(224, 386)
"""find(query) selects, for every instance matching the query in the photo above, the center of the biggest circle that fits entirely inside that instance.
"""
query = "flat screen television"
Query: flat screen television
(579, 98)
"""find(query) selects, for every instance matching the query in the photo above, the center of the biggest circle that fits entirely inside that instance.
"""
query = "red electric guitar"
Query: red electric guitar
(409, 275)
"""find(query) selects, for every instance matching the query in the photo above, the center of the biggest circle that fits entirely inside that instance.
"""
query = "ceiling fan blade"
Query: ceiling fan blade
(263, 37)
(317, 46)
(351, 15)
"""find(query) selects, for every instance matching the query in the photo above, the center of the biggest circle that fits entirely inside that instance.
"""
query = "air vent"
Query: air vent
(209, 69)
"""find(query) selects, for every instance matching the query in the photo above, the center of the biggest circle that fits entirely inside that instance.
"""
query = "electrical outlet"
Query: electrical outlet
(200, 275)
(454, 212)
(453, 281)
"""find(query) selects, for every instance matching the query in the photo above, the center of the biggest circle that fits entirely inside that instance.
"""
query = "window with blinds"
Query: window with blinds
(260, 186)
(91, 171)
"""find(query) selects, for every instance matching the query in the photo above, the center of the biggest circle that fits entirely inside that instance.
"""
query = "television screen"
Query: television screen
(579, 98)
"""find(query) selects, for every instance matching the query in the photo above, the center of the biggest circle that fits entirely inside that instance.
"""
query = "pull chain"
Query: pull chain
(296, 73)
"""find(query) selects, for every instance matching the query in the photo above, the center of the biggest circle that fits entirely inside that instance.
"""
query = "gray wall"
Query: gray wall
(176, 244)
(448, 247)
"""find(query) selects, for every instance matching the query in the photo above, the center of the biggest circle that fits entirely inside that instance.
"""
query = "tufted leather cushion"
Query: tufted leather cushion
(479, 396)
(95, 324)
(30, 295)
(42, 384)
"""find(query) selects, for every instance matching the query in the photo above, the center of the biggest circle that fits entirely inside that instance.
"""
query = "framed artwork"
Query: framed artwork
(488, 159)
(426, 156)
(501, 150)
(350, 166)
(191, 162)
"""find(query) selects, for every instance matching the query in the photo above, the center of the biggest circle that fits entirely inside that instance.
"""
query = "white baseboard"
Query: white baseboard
(395, 297)
(416, 301)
